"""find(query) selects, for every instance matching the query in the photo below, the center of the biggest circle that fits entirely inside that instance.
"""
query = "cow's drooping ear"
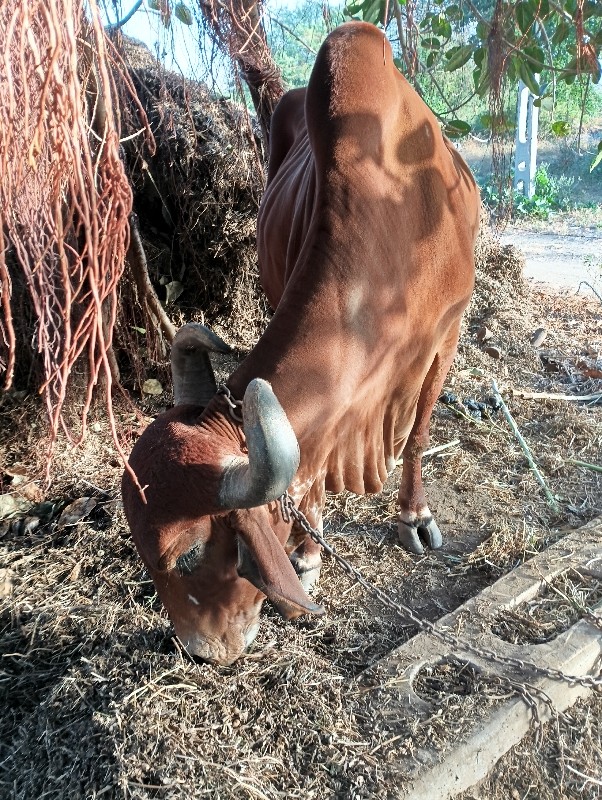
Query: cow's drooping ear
(262, 560)
(192, 373)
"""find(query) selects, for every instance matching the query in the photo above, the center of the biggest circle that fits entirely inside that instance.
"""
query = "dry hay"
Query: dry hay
(560, 760)
(555, 609)
(100, 701)
(197, 198)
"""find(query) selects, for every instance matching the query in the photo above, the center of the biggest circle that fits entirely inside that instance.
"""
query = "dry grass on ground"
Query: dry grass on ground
(99, 700)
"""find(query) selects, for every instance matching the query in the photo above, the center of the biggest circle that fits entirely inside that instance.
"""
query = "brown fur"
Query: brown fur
(365, 239)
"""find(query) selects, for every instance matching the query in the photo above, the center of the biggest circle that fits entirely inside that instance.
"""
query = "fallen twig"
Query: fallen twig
(434, 450)
(146, 291)
(586, 464)
(441, 447)
(584, 398)
(586, 778)
(585, 283)
(532, 465)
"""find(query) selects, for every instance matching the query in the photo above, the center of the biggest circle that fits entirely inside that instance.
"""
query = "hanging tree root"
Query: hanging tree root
(64, 200)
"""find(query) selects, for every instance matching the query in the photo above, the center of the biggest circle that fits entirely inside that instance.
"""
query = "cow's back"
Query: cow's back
(359, 154)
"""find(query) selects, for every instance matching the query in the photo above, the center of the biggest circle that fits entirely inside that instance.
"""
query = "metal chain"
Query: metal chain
(233, 405)
(290, 511)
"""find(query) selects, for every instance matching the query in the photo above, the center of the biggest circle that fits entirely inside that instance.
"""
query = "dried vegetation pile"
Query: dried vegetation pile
(98, 698)
(196, 197)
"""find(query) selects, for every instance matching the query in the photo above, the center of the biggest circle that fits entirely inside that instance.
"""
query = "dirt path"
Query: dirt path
(559, 260)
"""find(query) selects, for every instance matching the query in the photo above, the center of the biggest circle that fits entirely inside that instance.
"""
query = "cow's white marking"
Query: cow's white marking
(193, 599)
(354, 301)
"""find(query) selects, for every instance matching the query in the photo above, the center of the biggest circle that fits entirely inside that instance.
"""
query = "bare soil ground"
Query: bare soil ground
(99, 699)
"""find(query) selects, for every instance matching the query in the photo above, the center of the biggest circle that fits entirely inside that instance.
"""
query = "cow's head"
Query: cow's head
(211, 533)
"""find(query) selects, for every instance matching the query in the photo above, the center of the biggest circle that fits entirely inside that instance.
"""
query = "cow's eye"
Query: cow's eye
(190, 560)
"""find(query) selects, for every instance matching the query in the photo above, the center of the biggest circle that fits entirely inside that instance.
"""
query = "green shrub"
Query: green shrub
(551, 194)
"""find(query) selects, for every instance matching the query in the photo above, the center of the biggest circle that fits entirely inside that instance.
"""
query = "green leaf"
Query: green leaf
(441, 27)
(154, 5)
(139, 330)
(513, 67)
(561, 127)
(431, 58)
(528, 78)
(373, 11)
(457, 57)
(183, 13)
(369, 10)
(484, 80)
(478, 56)
(561, 32)
(597, 159)
(456, 128)
(483, 30)
(547, 102)
(537, 57)
(431, 42)
(453, 13)
(524, 16)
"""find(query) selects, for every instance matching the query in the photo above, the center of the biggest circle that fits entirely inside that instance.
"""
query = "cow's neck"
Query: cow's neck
(317, 352)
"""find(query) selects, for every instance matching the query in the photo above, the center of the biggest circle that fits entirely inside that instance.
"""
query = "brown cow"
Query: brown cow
(365, 238)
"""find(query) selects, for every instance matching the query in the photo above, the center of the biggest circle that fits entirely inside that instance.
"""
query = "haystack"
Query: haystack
(197, 198)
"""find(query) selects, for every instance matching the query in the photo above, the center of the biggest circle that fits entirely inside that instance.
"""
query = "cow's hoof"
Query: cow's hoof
(414, 536)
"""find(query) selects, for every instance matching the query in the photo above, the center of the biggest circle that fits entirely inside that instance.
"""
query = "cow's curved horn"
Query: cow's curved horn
(192, 373)
(273, 452)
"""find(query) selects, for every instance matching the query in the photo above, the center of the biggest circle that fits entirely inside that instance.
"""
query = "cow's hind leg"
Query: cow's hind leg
(416, 526)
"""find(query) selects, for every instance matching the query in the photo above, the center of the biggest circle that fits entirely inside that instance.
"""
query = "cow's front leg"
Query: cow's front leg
(416, 526)
(307, 561)
(307, 554)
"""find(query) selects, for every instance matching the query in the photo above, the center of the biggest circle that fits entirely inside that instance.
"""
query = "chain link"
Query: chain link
(289, 510)
(233, 405)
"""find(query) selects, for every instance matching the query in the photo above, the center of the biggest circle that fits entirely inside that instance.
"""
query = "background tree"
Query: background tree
(542, 42)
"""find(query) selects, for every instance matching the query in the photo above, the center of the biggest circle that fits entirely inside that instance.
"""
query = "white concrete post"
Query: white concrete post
(525, 152)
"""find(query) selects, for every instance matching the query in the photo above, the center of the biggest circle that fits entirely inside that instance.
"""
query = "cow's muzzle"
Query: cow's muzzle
(218, 651)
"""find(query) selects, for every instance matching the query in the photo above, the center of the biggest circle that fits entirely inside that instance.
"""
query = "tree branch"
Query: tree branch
(114, 26)
(148, 296)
